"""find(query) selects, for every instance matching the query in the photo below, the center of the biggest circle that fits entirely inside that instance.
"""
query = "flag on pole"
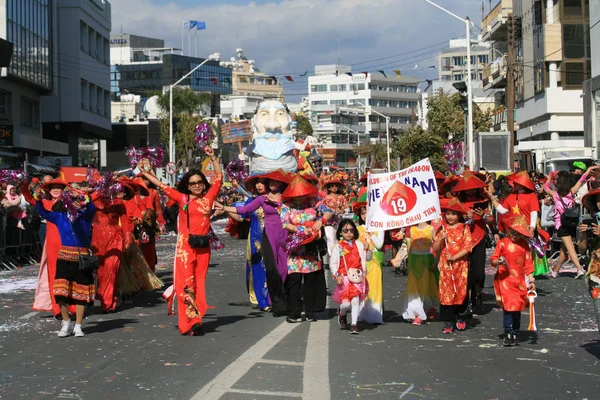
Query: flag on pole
(382, 72)
(397, 71)
(304, 74)
(186, 24)
(193, 24)
(289, 78)
(200, 25)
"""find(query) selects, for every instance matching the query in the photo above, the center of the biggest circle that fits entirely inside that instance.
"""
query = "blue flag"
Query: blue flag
(200, 25)
(193, 24)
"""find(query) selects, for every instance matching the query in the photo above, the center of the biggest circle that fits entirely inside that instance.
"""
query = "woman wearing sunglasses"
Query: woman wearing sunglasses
(195, 197)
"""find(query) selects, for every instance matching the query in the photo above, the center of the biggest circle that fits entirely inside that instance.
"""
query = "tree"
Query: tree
(304, 127)
(187, 106)
(416, 144)
(446, 118)
(376, 153)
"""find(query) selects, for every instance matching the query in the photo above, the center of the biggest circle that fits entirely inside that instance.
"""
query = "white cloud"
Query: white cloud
(295, 35)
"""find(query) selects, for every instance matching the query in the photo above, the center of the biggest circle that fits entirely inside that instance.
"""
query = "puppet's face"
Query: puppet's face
(272, 130)
(355, 275)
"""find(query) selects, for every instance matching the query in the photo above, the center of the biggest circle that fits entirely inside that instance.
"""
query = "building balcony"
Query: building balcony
(494, 75)
(493, 25)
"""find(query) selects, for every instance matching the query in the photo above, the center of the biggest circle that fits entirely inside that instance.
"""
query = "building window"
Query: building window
(446, 62)
(458, 60)
(573, 40)
(572, 9)
(92, 97)
(337, 88)
(574, 73)
(458, 77)
(356, 86)
(318, 88)
(84, 94)
(482, 59)
(337, 102)
(319, 103)
(4, 104)
(539, 83)
(91, 41)
(30, 113)
(83, 33)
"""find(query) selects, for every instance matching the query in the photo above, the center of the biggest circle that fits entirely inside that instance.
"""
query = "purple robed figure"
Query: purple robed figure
(274, 255)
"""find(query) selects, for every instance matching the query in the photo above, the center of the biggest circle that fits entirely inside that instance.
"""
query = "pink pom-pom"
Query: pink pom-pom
(236, 170)
(293, 241)
(17, 177)
(204, 135)
(155, 154)
(68, 198)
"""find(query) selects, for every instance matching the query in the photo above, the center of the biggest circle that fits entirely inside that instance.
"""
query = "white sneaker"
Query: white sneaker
(66, 329)
(77, 331)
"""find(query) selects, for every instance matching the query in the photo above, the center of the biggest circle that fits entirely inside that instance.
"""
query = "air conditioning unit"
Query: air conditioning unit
(356, 92)
(492, 151)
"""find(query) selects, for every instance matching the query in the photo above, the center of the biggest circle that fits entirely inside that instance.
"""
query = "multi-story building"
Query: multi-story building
(29, 76)
(452, 62)
(77, 112)
(591, 87)
(344, 109)
(552, 60)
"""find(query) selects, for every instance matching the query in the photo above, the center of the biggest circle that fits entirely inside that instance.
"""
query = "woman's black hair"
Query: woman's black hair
(462, 195)
(343, 223)
(341, 188)
(563, 183)
(182, 185)
(359, 218)
(59, 207)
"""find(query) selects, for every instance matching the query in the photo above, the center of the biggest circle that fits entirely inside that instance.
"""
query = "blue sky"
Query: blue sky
(292, 36)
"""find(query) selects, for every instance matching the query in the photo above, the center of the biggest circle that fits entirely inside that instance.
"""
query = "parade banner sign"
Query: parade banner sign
(237, 132)
(402, 198)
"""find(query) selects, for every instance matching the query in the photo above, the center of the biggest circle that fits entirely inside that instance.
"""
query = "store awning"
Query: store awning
(40, 169)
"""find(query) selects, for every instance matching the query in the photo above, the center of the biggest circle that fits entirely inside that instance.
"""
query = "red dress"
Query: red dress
(519, 204)
(509, 281)
(110, 235)
(453, 275)
(191, 264)
(152, 202)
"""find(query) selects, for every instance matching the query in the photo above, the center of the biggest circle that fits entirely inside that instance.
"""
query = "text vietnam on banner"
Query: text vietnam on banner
(402, 198)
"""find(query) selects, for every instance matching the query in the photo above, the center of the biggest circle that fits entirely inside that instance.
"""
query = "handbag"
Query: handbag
(196, 241)
(87, 262)
(355, 275)
(570, 216)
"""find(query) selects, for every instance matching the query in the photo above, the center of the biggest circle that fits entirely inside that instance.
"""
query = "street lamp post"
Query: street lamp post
(171, 142)
(387, 132)
(467, 22)
(357, 143)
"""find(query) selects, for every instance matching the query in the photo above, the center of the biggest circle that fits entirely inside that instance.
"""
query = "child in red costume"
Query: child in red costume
(514, 277)
(348, 266)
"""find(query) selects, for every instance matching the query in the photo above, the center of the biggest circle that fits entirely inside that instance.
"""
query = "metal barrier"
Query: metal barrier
(18, 247)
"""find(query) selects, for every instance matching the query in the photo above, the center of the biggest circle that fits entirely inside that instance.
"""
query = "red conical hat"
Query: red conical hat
(452, 205)
(448, 184)
(589, 201)
(439, 176)
(299, 187)
(278, 175)
(57, 181)
(251, 182)
(467, 182)
(518, 223)
(523, 179)
(310, 176)
(135, 185)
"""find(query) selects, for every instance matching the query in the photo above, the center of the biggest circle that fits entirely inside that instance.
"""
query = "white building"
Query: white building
(452, 62)
(77, 112)
(591, 87)
(344, 107)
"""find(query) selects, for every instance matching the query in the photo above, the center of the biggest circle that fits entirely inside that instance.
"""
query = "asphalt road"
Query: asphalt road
(137, 353)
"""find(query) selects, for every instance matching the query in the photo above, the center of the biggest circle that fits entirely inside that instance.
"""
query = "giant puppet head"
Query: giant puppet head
(272, 145)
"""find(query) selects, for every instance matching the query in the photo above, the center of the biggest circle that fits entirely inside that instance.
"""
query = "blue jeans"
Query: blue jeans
(512, 322)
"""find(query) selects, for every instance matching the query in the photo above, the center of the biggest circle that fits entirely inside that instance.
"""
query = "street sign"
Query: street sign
(171, 168)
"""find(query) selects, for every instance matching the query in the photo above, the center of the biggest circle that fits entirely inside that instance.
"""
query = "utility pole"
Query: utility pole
(510, 89)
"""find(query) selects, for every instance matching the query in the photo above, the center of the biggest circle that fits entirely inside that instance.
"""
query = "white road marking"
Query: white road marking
(316, 364)
(406, 391)
(281, 362)
(266, 393)
(29, 315)
(223, 382)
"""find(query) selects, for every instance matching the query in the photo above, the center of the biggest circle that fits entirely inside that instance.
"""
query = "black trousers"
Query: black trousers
(476, 269)
(274, 283)
(451, 314)
(309, 290)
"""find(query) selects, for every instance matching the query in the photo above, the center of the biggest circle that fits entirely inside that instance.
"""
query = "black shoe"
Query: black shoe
(354, 330)
(292, 320)
(342, 322)
(197, 330)
(514, 339)
(310, 317)
(508, 341)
